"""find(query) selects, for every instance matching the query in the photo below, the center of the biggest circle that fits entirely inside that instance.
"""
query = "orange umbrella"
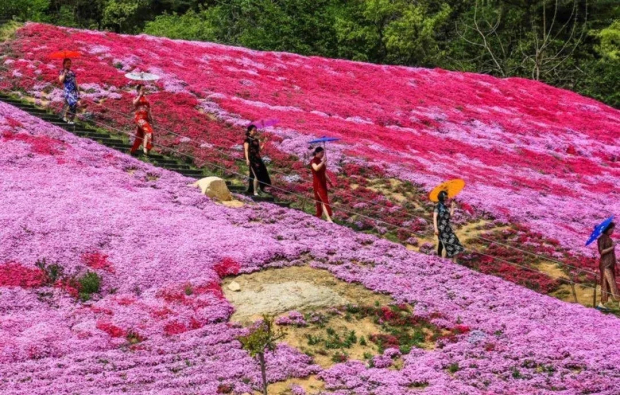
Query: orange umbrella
(453, 187)
(64, 55)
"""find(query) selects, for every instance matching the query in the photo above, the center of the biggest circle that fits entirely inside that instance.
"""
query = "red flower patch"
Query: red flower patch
(227, 267)
(110, 329)
(42, 145)
(174, 328)
(211, 287)
(16, 275)
(98, 261)
(461, 329)
(386, 341)
(14, 123)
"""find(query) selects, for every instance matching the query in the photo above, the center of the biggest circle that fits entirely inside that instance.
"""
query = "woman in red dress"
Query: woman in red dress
(144, 131)
(320, 180)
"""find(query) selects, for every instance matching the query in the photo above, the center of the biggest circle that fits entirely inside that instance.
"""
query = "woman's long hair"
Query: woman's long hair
(249, 130)
(609, 227)
(443, 195)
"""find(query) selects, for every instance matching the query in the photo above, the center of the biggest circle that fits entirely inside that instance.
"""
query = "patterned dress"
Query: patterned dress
(607, 267)
(141, 117)
(447, 237)
(72, 95)
(257, 166)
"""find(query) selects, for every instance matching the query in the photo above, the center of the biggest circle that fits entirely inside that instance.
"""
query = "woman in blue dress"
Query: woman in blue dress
(72, 95)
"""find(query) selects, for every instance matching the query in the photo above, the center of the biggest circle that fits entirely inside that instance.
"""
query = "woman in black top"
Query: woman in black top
(259, 177)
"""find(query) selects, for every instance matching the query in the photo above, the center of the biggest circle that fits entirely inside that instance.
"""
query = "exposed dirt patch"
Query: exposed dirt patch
(389, 191)
(300, 288)
(298, 338)
(232, 203)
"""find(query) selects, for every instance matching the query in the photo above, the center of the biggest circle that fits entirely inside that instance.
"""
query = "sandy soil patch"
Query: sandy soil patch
(300, 288)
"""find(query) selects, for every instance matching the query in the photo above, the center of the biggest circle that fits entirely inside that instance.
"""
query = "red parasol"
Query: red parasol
(64, 55)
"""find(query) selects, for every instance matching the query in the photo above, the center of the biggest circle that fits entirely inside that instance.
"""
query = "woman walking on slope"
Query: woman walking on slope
(259, 177)
(320, 180)
(144, 120)
(443, 229)
(71, 91)
(607, 266)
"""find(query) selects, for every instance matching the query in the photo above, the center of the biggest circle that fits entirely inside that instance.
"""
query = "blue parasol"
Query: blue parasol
(323, 140)
(599, 229)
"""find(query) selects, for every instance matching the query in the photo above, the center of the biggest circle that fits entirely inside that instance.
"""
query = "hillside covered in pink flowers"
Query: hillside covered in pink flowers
(541, 163)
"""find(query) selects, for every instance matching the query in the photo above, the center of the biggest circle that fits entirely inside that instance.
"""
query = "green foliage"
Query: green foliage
(609, 37)
(261, 338)
(192, 25)
(340, 356)
(25, 10)
(53, 272)
(89, 283)
(122, 14)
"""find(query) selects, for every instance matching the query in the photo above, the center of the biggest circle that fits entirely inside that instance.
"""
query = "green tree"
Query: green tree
(192, 25)
(124, 15)
(391, 31)
(25, 10)
(609, 37)
(261, 339)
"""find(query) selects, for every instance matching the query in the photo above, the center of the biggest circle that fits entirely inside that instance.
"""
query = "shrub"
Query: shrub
(89, 284)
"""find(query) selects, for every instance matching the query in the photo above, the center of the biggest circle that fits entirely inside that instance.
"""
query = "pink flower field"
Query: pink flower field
(151, 238)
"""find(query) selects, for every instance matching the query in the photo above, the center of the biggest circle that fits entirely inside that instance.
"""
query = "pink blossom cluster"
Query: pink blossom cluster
(294, 318)
(160, 323)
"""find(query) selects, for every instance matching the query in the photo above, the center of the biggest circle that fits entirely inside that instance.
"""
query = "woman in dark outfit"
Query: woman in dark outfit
(607, 266)
(443, 229)
(258, 170)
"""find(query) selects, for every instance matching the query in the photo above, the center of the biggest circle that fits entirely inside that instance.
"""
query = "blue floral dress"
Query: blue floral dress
(71, 92)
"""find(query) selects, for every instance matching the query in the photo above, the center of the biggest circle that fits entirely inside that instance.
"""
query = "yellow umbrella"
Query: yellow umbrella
(453, 187)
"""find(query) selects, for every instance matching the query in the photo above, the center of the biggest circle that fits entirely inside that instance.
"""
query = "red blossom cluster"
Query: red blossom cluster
(42, 145)
(227, 267)
(110, 329)
(98, 261)
(15, 275)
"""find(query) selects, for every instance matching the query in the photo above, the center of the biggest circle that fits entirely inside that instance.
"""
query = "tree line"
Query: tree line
(573, 44)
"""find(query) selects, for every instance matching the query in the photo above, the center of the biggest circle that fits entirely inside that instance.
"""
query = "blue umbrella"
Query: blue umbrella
(598, 230)
(323, 140)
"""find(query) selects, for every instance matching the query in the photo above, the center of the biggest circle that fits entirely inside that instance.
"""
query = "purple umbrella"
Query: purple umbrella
(264, 123)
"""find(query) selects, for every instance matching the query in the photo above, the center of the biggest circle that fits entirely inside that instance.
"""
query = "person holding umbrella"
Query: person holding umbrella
(607, 266)
(71, 91)
(320, 179)
(441, 221)
(144, 120)
(258, 175)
